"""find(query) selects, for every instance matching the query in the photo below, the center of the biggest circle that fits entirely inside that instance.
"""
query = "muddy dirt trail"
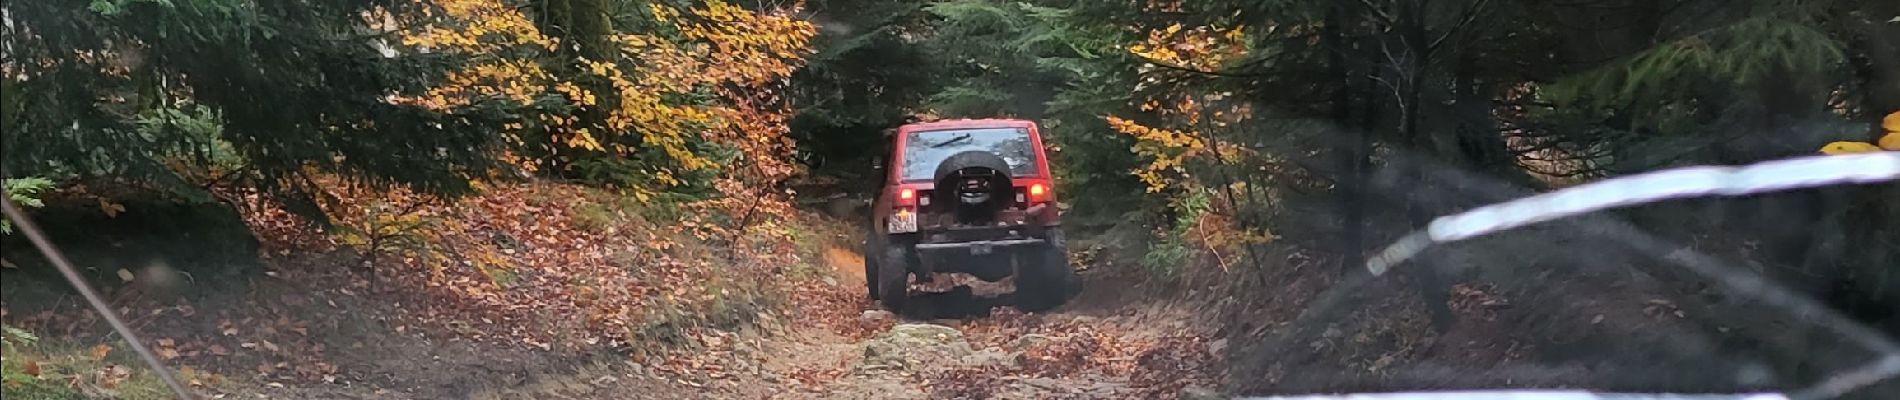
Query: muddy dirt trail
(832, 344)
(1097, 347)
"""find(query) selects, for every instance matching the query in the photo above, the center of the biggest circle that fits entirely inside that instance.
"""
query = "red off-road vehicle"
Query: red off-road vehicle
(969, 196)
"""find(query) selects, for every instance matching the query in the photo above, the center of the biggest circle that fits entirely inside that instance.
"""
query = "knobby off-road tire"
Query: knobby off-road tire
(893, 276)
(870, 253)
(1044, 279)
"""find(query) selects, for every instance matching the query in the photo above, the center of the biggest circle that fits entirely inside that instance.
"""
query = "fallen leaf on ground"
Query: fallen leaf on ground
(99, 352)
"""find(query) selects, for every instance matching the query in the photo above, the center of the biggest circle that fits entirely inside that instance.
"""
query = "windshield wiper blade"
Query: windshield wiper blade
(959, 139)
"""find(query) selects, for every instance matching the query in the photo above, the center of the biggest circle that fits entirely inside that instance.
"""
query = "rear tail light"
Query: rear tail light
(904, 220)
(1038, 193)
(907, 197)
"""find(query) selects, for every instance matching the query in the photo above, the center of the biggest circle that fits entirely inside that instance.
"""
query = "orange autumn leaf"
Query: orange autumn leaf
(111, 209)
(99, 352)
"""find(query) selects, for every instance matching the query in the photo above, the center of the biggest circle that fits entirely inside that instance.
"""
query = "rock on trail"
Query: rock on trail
(906, 346)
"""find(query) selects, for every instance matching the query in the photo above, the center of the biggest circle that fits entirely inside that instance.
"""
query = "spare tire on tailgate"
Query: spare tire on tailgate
(975, 185)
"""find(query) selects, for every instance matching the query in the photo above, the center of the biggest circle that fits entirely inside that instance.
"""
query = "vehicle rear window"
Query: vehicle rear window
(923, 150)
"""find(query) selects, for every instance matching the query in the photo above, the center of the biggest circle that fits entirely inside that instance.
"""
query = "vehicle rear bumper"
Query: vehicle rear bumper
(978, 247)
(989, 260)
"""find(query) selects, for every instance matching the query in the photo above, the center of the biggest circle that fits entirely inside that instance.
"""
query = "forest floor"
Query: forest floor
(314, 340)
(581, 302)
(308, 324)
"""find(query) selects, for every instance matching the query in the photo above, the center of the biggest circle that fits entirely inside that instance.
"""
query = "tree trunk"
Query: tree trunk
(1416, 64)
(1347, 147)
(585, 29)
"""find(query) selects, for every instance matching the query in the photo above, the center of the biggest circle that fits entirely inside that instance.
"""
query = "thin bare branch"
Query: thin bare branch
(1471, 14)
(1379, 13)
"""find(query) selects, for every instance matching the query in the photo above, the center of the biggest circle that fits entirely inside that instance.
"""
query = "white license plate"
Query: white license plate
(903, 221)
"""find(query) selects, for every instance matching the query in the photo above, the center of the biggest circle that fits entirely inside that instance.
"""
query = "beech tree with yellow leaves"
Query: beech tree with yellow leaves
(648, 108)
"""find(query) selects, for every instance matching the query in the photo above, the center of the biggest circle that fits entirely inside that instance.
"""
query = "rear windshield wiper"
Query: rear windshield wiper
(958, 140)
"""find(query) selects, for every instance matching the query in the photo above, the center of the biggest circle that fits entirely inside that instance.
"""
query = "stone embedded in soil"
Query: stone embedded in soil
(908, 344)
(1046, 383)
(1200, 393)
(1029, 340)
(1046, 387)
(1215, 347)
(992, 357)
(876, 316)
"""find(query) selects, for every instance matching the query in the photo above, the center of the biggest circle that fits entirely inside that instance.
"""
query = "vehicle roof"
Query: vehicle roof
(967, 123)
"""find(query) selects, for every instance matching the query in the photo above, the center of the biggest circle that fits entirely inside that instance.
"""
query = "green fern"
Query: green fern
(998, 48)
(1742, 53)
(25, 192)
(11, 336)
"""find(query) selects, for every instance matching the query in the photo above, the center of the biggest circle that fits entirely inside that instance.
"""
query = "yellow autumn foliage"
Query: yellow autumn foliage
(736, 53)
(1837, 148)
(1187, 122)
(1888, 142)
(1205, 48)
(1891, 122)
(1166, 151)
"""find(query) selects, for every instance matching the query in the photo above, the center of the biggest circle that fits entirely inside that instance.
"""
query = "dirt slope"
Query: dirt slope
(1134, 350)
(301, 332)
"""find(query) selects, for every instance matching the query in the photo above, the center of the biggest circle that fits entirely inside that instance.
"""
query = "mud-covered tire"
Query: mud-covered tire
(870, 268)
(893, 276)
(1044, 280)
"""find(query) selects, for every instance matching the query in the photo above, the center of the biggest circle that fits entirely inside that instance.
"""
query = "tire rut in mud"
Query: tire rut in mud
(958, 344)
